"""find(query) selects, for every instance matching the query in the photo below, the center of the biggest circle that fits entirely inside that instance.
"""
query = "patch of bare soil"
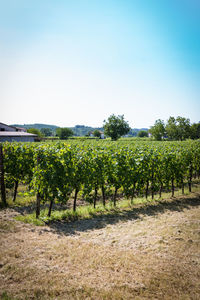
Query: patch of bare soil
(152, 252)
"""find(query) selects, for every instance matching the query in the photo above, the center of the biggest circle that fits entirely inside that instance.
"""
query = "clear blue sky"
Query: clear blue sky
(76, 62)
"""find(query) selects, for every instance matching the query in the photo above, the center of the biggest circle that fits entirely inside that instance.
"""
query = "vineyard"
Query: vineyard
(98, 170)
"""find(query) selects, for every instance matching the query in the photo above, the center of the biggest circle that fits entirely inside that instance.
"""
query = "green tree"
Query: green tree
(171, 129)
(35, 131)
(183, 126)
(97, 133)
(158, 130)
(64, 133)
(142, 133)
(178, 129)
(46, 131)
(115, 127)
(195, 131)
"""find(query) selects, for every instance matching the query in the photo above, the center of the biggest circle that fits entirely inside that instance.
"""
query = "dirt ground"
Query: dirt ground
(151, 252)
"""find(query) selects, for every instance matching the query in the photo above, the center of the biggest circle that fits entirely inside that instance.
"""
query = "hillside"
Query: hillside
(37, 126)
(79, 130)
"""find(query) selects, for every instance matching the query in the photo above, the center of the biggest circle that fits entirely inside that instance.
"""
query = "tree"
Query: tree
(142, 133)
(97, 133)
(115, 127)
(35, 131)
(183, 125)
(158, 130)
(178, 129)
(195, 131)
(64, 133)
(46, 131)
(171, 128)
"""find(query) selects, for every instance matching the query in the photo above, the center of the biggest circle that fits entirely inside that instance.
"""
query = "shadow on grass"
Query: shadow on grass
(116, 215)
(30, 208)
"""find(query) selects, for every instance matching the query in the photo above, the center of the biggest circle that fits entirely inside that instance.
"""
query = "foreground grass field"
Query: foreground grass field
(149, 251)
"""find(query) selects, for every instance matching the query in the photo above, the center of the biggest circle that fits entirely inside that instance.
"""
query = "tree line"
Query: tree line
(115, 127)
(178, 129)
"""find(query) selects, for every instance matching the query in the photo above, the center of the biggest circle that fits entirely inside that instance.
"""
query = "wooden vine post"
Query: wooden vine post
(3, 189)
(38, 198)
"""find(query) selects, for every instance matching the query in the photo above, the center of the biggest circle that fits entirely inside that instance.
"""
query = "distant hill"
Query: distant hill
(79, 130)
(134, 131)
(82, 130)
(37, 126)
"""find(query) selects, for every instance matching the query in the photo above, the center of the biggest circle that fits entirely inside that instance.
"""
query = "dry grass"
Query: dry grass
(152, 252)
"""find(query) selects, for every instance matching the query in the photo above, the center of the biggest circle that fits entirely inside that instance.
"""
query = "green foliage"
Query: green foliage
(97, 133)
(34, 131)
(18, 162)
(46, 131)
(64, 133)
(59, 171)
(158, 130)
(142, 133)
(183, 128)
(195, 131)
(115, 127)
(178, 129)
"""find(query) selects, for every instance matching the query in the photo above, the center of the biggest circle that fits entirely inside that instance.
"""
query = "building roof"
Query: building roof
(8, 125)
(17, 133)
(20, 128)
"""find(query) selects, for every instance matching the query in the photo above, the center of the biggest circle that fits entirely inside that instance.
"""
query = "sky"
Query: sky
(76, 62)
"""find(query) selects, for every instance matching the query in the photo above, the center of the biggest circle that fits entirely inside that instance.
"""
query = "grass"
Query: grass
(88, 211)
(68, 215)
(4, 296)
(153, 257)
(24, 197)
(7, 226)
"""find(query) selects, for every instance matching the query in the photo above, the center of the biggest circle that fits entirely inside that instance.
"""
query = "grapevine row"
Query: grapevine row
(60, 171)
